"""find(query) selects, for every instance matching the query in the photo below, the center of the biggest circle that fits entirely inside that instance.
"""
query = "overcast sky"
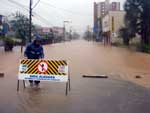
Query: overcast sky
(53, 12)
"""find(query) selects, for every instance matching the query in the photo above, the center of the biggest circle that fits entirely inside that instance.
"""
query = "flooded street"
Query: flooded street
(121, 93)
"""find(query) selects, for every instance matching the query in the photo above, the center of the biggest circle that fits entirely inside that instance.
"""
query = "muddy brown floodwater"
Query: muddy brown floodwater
(87, 95)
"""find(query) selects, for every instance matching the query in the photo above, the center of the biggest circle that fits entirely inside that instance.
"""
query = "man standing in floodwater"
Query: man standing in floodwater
(34, 51)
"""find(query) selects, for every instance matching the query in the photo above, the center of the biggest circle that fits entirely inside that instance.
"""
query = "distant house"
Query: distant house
(111, 23)
(4, 25)
(43, 30)
(100, 10)
(1, 16)
(59, 31)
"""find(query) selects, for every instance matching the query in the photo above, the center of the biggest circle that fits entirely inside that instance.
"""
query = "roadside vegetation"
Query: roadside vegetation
(137, 24)
(19, 25)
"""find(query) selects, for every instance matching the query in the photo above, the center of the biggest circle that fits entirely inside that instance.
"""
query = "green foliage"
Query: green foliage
(145, 48)
(20, 24)
(1, 37)
(8, 40)
(126, 34)
(8, 43)
(137, 18)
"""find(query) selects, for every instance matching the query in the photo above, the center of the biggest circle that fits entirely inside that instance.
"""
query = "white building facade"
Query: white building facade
(113, 21)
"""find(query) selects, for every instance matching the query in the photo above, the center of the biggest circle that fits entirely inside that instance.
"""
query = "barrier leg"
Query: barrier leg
(24, 84)
(69, 80)
(18, 85)
(69, 84)
(66, 88)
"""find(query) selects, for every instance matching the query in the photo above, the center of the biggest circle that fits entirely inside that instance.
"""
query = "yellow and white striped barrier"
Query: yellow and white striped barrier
(43, 70)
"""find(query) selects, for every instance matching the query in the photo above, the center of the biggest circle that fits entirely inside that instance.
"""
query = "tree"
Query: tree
(100, 27)
(88, 35)
(137, 19)
(20, 24)
(126, 34)
(75, 36)
(123, 33)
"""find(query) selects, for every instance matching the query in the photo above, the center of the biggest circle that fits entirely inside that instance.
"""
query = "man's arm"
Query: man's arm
(27, 51)
(42, 53)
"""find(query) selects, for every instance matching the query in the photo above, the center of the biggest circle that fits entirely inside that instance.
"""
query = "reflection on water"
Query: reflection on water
(84, 58)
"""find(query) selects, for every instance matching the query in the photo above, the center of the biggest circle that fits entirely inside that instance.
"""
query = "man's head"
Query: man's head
(37, 40)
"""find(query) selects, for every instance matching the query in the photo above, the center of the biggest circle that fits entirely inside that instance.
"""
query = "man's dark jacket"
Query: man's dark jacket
(34, 51)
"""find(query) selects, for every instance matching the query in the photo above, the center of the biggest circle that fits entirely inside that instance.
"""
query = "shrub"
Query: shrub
(8, 43)
(145, 48)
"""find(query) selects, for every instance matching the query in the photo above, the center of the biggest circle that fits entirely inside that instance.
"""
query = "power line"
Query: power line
(5, 2)
(49, 5)
(36, 16)
(11, 4)
(62, 9)
(42, 19)
(18, 4)
(36, 4)
(60, 17)
(25, 8)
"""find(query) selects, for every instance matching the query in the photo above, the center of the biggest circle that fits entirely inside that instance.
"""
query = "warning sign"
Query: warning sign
(42, 67)
(61, 69)
(46, 70)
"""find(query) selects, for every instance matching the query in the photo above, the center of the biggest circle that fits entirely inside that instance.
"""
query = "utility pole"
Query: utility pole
(30, 20)
(70, 33)
(65, 29)
(88, 33)
(30, 17)
(64, 32)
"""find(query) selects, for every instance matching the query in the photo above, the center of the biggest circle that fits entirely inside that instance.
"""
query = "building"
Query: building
(43, 30)
(4, 25)
(115, 6)
(1, 19)
(95, 17)
(1, 24)
(59, 31)
(101, 9)
(112, 22)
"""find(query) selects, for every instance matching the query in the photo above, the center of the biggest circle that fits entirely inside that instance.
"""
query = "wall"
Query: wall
(118, 20)
(105, 23)
(113, 26)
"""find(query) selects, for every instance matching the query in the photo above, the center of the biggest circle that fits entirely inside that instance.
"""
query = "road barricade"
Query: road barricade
(44, 70)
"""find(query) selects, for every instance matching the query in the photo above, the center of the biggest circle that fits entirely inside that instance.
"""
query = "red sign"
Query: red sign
(42, 67)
